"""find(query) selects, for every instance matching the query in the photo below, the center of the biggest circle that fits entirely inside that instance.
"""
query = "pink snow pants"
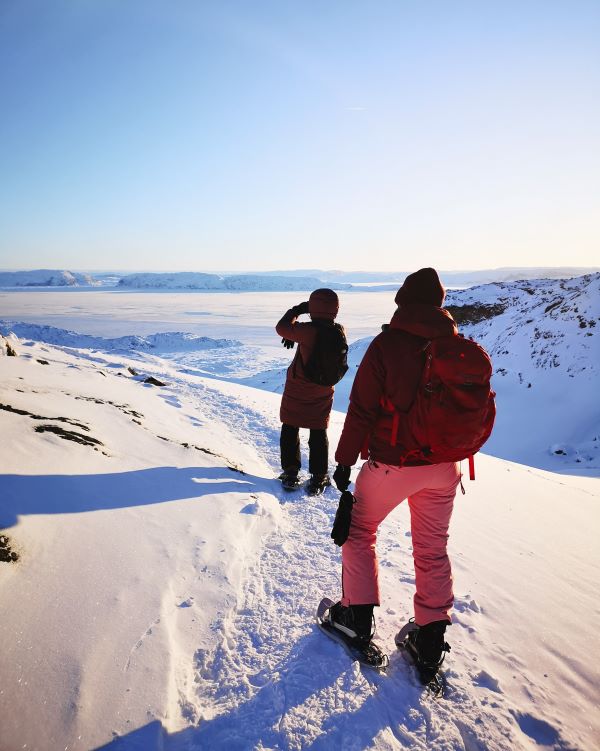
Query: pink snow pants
(379, 489)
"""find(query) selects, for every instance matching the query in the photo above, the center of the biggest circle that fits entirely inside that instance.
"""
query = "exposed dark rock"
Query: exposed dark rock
(43, 362)
(475, 313)
(133, 371)
(24, 412)
(10, 351)
(123, 407)
(154, 381)
(68, 435)
(7, 555)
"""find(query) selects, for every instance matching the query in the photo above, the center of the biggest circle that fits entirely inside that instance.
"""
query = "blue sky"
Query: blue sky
(258, 135)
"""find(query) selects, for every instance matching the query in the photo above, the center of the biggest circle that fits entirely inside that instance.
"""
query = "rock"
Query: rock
(154, 381)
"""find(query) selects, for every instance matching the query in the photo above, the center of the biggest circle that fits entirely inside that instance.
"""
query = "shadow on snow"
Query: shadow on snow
(69, 494)
(280, 714)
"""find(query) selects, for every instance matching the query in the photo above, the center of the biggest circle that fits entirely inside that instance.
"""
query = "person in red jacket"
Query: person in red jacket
(389, 374)
(305, 404)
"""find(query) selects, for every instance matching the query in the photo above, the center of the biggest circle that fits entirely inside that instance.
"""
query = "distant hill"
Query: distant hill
(44, 278)
(276, 281)
(450, 278)
(188, 280)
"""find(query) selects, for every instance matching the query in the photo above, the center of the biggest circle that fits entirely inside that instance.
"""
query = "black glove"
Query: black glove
(300, 309)
(288, 343)
(341, 477)
(343, 518)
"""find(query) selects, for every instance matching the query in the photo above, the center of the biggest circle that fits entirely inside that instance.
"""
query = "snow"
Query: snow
(170, 341)
(165, 592)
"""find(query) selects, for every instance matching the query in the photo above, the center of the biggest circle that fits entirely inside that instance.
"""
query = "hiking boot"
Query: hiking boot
(317, 484)
(427, 647)
(289, 479)
(355, 621)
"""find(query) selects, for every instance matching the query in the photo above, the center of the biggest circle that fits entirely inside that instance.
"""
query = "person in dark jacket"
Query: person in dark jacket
(305, 404)
(389, 374)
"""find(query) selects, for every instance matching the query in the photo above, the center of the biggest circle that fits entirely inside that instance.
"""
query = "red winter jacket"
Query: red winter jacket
(391, 368)
(304, 404)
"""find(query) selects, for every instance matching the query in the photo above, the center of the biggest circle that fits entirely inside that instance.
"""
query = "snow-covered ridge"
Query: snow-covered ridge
(171, 341)
(240, 282)
(537, 324)
(44, 278)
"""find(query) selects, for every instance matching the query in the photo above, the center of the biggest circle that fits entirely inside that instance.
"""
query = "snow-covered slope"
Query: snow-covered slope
(44, 278)
(545, 346)
(165, 589)
(241, 282)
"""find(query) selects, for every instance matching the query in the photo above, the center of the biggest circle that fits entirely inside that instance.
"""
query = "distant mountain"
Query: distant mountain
(44, 278)
(187, 280)
(182, 280)
(450, 278)
(275, 281)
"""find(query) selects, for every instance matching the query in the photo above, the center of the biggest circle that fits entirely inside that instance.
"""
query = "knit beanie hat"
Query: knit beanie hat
(323, 303)
(424, 286)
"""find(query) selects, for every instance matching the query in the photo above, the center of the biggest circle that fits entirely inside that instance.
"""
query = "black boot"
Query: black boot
(427, 648)
(356, 621)
(317, 484)
(289, 479)
(354, 628)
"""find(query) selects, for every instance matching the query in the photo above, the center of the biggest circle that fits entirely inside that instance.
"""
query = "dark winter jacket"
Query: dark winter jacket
(390, 370)
(304, 404)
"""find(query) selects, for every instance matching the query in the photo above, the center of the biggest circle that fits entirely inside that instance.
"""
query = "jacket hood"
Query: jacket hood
(426, 321)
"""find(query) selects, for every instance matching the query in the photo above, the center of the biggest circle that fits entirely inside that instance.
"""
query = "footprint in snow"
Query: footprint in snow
(251, 508)
(172, 400)
(485, 680)
(465, 604)
(538, 730)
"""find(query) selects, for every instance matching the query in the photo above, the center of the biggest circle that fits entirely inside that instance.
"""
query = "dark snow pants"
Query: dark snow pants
(318, 448)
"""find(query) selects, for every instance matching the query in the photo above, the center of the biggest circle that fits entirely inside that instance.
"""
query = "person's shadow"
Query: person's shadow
(276, 716)
(66, 494)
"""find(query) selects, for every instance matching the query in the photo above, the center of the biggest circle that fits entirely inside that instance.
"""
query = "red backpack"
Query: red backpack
(453, 413)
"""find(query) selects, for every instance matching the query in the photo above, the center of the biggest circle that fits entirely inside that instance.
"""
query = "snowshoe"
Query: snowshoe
(361, 648)
(290, 480)
(317, 484)
(426, 648)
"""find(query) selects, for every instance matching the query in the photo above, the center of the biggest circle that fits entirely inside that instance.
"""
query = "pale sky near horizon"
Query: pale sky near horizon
(222, 135)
